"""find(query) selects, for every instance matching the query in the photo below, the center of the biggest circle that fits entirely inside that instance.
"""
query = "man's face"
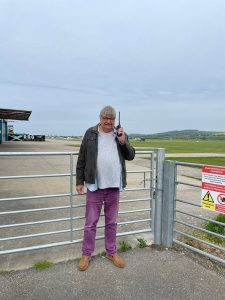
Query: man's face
(107, 123)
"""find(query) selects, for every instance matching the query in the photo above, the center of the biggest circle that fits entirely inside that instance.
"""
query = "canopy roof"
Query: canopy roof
(15, 114)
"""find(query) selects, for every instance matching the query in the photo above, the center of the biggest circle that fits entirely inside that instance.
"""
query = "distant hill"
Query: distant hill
(182, 134)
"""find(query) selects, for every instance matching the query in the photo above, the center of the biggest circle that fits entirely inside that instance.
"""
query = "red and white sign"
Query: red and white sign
(213, 188)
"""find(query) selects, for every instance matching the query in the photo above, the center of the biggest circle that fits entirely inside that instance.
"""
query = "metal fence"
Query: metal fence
(40, 208)
(183, 218)
(33, 219)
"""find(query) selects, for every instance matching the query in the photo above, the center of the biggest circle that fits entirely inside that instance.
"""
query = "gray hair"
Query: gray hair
(108, 111)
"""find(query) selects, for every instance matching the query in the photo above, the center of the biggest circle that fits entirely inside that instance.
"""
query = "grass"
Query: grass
(179, 146)
(217, 228)
(213, 227)
(124, 246)
(3, 272)
(103, 253)
(74, 145)
(216, 161)
(43, 264)
(142, 243)
(183, 146)
(219, 161)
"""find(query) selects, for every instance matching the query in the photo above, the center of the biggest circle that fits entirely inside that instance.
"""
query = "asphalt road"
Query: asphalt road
(148, 274)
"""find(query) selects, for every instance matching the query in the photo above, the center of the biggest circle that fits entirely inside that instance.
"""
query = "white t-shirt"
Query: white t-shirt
(108, 162)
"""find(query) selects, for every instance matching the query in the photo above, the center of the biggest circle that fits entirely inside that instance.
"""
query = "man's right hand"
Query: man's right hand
(80, 189)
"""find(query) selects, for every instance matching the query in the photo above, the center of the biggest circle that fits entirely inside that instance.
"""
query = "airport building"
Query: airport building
(10, 114)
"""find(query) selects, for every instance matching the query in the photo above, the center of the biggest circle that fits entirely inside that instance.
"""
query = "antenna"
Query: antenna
(118, 126)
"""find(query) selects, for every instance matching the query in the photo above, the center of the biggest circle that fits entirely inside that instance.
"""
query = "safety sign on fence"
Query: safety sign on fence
(213, 188)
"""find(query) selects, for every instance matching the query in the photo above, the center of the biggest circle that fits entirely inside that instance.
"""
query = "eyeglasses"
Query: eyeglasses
(108, 118)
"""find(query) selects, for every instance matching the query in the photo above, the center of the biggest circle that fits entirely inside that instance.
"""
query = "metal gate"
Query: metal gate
(183, 219)
(36, 218)
(40, 209)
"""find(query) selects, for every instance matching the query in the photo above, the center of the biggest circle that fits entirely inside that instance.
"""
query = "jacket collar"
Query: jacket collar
(94, 129)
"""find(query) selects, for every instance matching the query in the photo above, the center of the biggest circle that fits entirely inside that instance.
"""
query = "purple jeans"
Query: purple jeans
(110, 198)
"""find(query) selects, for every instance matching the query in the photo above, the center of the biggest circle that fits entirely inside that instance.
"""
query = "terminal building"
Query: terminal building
(10, 114)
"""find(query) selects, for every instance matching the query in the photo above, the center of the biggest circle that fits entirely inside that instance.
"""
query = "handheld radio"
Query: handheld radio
(118, 126)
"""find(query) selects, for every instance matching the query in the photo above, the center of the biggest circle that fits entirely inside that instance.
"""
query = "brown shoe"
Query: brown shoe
(84, 263)
(116, 260)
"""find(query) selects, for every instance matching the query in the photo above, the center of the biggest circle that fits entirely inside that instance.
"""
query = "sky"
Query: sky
(161, 63)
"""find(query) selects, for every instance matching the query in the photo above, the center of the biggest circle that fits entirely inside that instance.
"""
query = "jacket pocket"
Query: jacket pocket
(92, 137)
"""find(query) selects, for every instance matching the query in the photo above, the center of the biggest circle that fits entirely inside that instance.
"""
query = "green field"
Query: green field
(185, 146)
(182, 146)
(218, 161)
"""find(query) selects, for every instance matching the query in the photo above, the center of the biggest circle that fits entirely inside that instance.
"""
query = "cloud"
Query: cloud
(161, 63)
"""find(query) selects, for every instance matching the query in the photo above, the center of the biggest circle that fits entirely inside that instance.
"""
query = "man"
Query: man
(101, 167)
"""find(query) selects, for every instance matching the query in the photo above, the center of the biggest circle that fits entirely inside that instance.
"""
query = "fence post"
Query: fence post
(168, 203)
(158, 196)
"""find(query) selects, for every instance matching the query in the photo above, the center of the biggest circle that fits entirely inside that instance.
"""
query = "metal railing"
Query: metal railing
(184, 219)
(50, 219)
(32, 217)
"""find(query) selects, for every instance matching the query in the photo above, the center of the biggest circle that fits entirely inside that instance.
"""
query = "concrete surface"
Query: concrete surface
(148, 274)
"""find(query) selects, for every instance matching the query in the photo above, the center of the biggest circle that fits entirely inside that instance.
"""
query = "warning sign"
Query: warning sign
(213, 188)
(207, 201)
(208, 197)
(221, 198)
